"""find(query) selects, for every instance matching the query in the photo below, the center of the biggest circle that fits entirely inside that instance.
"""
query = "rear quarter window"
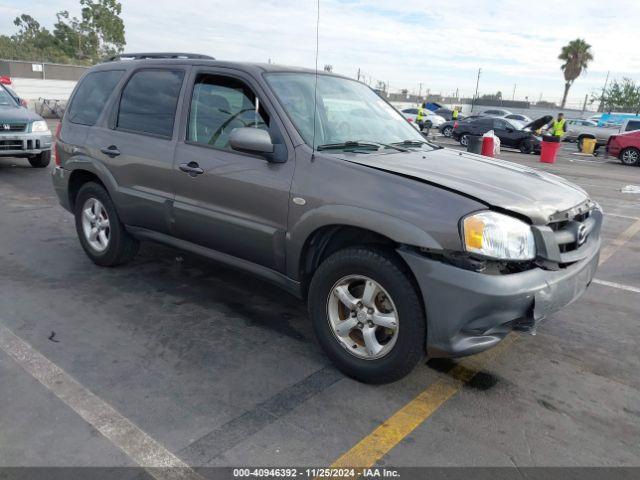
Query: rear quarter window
(92, 95)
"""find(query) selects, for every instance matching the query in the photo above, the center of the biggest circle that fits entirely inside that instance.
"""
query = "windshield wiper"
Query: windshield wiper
(357, 144)
(416, 143)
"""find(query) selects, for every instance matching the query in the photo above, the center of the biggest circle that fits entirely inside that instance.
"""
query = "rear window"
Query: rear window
(92, 95)
(148, 103)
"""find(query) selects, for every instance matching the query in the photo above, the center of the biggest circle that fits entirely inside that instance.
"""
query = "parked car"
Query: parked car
(23, 133)
(520, 118)
(351, 209)
(430, 119)
(510, 132)
(578, 131)
(447, 127)
(447, 114)
(626, 147)
(495, 112)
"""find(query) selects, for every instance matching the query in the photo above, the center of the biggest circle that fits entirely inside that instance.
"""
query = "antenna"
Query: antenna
(315, 88)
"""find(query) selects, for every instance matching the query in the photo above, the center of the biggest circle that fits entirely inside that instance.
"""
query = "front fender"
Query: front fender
(391, 227)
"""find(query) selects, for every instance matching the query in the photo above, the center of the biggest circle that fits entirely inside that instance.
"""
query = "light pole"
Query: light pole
(473, 101)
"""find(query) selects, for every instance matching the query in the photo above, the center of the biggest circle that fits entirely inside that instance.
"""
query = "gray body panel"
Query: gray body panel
(258, 215)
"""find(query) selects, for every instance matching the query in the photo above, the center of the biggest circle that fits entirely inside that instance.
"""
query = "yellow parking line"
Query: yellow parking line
(374, 446)
(378, 443)
(619, 241)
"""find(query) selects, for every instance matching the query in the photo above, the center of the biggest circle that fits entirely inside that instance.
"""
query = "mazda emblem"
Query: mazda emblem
(582, 234)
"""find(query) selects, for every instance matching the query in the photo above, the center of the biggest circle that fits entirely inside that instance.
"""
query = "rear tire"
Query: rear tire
(113, 245)
(447, 131)
(41, 160)
(464, 139)
(396, 287)
(630, 156)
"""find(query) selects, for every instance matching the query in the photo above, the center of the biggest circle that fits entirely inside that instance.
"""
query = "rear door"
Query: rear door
(238, 204)
(137, 145)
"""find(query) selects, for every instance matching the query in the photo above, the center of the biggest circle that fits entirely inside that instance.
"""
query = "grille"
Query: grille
(13, 127)
(11, 145)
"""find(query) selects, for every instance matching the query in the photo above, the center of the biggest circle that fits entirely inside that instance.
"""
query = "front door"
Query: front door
(228, 201)
(506, 132)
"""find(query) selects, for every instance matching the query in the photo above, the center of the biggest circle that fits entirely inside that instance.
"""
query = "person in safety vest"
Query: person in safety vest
(559, 126)
(420, 116)
(454, 115)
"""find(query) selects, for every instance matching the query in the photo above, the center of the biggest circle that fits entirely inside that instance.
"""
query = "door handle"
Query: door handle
(111, 151)
(192, 168)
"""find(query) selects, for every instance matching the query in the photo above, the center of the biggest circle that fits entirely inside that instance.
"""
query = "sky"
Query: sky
(403, 42)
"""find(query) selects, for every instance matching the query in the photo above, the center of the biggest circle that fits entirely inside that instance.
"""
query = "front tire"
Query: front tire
(102, 235)
(447, 131)
(41, 160)
(630, 156)
(464, 140)
(367, 314)
(525, 146)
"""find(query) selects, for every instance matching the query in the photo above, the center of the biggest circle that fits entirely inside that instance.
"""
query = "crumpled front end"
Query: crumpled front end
(469, 310)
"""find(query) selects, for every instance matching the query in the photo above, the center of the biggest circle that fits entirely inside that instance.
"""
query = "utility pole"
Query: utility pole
(514, 92)
(420, 90)
(604, 88)
(584, 105)
(476, 94)
(358, 73)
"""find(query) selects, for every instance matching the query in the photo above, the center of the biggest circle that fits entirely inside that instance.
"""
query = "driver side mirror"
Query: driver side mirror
(251, 140)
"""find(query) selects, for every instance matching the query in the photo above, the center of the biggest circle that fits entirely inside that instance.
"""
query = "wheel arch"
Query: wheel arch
(337, 227)
(83, 170)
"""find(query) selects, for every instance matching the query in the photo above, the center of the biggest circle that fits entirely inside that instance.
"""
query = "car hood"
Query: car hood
(497, 183)
(17, 114)
(538, 123)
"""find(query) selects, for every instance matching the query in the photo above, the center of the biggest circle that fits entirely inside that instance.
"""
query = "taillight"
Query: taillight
(455, 124)
(56, 149)
(410, 120)
(5, 79)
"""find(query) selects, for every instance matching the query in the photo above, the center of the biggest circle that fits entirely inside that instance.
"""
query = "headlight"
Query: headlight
(498, 236)
(39, 126)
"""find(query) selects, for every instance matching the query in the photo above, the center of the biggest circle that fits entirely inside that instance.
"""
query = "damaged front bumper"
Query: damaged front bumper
(468, 312)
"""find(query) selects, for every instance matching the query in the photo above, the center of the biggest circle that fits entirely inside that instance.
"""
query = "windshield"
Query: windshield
(6, 100)
(347, 111)
(516, 124)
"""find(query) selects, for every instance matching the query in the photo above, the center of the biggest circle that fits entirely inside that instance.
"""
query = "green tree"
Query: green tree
(98, 33)
(576, 56)
(623, 96)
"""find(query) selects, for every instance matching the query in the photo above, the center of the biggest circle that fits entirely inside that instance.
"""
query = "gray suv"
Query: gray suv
(313, 182)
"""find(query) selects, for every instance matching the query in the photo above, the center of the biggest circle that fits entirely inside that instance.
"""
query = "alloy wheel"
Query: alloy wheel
(630, 157)
(95, 224)
(362, 317)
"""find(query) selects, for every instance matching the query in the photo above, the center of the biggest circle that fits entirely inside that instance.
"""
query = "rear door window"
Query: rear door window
(92, 95)
(148, 102)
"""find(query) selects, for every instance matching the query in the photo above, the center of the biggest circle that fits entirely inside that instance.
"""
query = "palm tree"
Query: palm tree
(576, 55)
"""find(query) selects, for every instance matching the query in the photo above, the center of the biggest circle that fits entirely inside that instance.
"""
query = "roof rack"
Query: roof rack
(150, 56)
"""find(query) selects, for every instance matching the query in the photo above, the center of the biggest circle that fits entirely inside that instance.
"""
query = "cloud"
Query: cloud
(404, 42)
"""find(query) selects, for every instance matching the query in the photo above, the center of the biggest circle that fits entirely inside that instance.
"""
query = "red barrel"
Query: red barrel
(548, 151)
(487, 146)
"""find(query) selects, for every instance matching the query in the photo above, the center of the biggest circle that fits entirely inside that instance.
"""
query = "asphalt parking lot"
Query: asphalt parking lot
(175, 360)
